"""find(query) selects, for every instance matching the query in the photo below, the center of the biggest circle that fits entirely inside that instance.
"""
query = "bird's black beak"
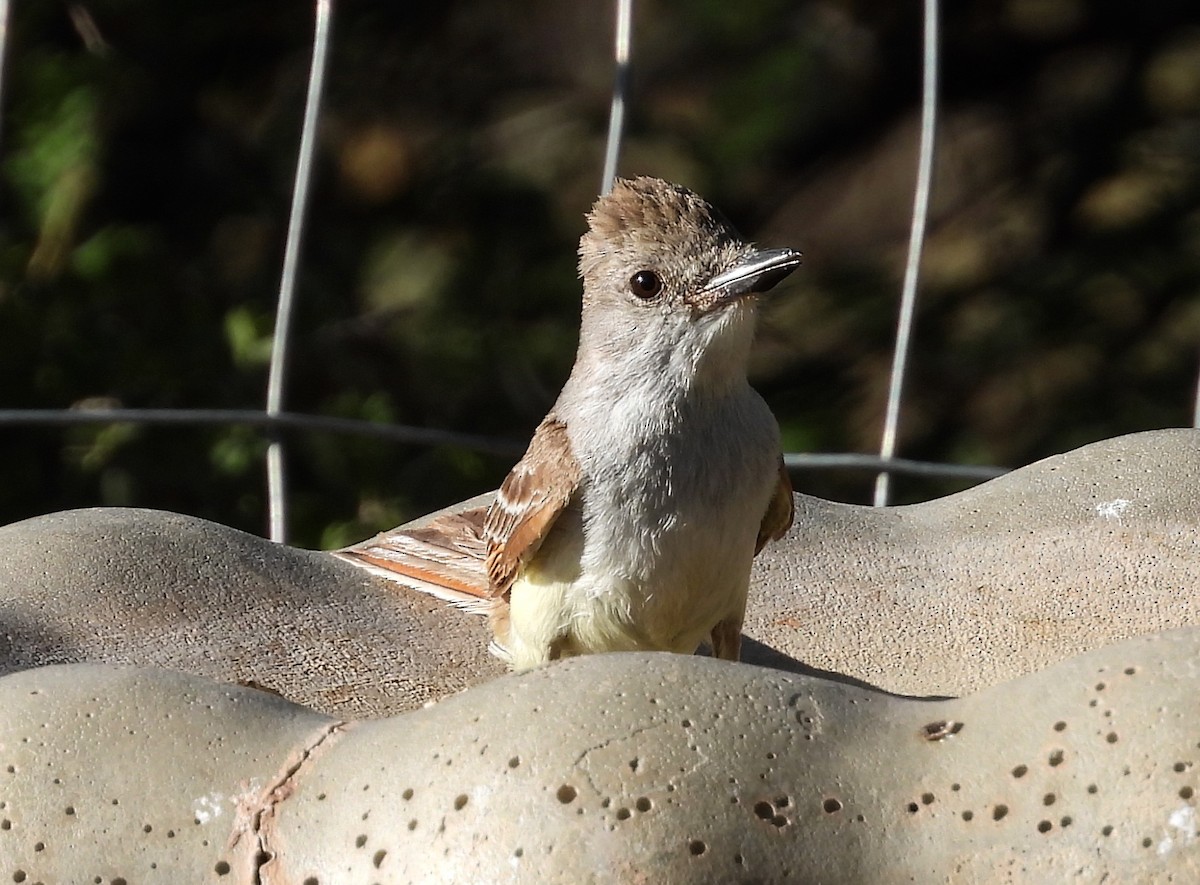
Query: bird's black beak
(756, 272)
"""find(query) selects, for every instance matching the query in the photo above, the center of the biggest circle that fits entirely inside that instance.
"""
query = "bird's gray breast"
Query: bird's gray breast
(649, 473)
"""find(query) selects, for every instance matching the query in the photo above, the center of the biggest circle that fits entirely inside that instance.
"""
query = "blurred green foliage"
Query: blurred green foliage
(146, 164)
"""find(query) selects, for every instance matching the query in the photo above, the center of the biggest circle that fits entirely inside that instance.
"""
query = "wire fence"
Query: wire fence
(275, 421)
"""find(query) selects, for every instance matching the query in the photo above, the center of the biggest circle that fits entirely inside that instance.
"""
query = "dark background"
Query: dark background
(148, 151)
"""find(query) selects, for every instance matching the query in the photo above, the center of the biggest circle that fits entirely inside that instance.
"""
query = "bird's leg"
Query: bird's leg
(727, 639)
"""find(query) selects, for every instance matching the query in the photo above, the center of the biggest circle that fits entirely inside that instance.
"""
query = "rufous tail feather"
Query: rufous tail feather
(445, 558)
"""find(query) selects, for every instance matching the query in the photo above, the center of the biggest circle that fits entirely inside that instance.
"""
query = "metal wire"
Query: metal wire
(1196, 406)
(401, 433)
(819, 461)
(4, 7)
(616, 113)
(916, 242)
(276, 491)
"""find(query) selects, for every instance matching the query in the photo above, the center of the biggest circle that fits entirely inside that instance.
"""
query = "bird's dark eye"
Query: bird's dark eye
(645, 284)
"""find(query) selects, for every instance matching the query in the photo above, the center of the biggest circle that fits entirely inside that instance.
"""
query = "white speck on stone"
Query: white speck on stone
(1184, 821)
(207, 807)
(1113, 509)
(481, 798)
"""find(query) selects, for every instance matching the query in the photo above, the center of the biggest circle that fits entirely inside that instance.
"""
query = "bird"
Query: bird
(632, 520)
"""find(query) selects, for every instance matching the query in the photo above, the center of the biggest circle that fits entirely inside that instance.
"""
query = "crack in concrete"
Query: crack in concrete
(582, 761)
(256, 812)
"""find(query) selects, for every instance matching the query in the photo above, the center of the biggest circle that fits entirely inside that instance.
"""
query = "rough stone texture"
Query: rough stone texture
(939, 598)
(144, 587)
(111, 775)
(1065, 555)
(613, 768)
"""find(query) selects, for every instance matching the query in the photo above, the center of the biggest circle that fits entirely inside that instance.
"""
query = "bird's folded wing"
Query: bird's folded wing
(780, 511)
(445, 558)
(530, 499)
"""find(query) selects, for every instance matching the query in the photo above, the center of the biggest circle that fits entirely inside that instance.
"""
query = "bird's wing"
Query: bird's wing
(530, 499)
(780, 511)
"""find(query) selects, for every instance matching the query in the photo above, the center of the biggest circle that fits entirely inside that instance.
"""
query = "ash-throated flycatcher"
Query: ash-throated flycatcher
(632, 520)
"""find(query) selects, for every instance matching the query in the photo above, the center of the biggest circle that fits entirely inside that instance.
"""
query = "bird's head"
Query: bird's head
(669, 285)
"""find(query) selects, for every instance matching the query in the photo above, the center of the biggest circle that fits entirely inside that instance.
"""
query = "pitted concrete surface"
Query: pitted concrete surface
(940, 598)
(944, 597)
(612, 768)
(145, 587)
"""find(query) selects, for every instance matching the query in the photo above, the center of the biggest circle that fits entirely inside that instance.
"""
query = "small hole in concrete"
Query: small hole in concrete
(520, 852)
(19, 876)
(1066, 821)
(643, 804)
(360, 841)
(69, 810)
(1186, 793)
(764, 810)
(39, 846)
(968, 815)
(1129, 671)
(514, 761)
(5, 824)
(412, 824)
(1180, 766)
(913, 807)
(407, 794)
(1147, 842)
(566, 794)
(954, 788)
(460, 801)
(738, 859)
(1111, 737)
(1106, 830)
(1048, 799)
(623, 813)
(999, 812)
(312, 880)
(1056, 758)
(686, 723)
(927, 798)
(941, 729)
(377, 860)
(634, 763)
(222, 868)
(1020, 771)
(1100, 686)
(1093, 789)
(831, 805)
(697, 847)
(1060, 726)
(1045, 826)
